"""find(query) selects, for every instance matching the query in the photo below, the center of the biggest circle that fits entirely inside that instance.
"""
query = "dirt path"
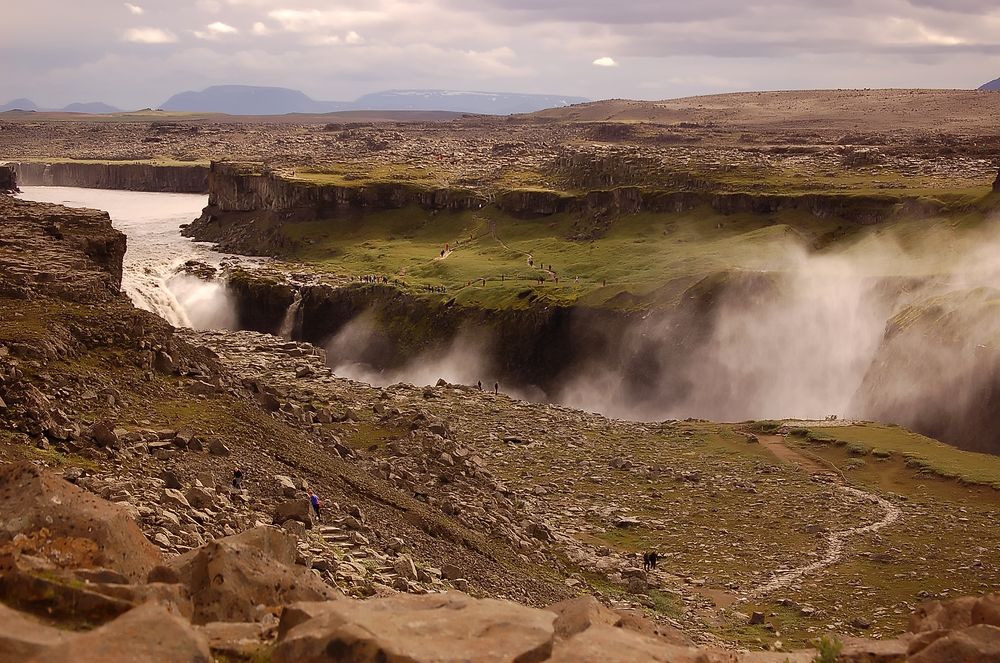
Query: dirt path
(836, 541)
(529, 259)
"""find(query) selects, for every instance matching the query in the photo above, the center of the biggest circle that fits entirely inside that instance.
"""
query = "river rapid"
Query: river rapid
(154, 275)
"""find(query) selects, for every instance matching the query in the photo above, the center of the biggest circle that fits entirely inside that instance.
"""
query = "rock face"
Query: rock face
(229, 577)
(31, 499)
(996, 182)
(128, 176)
(77, 254)
(8, 180)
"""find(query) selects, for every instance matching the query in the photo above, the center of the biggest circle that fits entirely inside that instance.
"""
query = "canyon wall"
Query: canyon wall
(191, 178)
(249, 204)
(8, 179)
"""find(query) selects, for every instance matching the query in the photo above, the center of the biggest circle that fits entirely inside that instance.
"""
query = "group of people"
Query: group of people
(496, 386)
(373, 278)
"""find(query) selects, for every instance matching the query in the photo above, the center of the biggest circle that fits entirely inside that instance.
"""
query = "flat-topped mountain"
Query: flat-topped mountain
(93, 107)
(991, 86)
(254, 100)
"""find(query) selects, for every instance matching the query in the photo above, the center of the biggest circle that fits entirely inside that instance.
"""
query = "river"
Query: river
(153, 269)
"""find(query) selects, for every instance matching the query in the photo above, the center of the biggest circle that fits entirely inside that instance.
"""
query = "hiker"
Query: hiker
(480, 385)
(314, 500)
(496, 388)
(237, 479)
(649, 560)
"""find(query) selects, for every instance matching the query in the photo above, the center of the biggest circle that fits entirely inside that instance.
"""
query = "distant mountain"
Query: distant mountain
(488, 103)
(93, 107)
(19, 104)
(992, 85)
(251, 100)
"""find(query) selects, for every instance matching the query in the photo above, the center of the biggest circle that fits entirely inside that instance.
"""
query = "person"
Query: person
(496, 387)
(314, 500)
(480, 385)
(237, 479)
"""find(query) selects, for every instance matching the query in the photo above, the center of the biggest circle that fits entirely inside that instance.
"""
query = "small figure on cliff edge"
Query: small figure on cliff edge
(496, 388)
(480, 385)
(314, 500)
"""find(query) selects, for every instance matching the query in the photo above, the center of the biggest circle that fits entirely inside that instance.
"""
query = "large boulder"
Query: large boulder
(21, 637)
(300, 510)
(147, 634)
(419, 629)
(578, 614)
(975, 644)
(32, 498)
(228, 578)
(956, 614)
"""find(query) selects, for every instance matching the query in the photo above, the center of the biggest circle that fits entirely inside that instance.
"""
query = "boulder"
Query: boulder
(217, 448)
(147, 634)
(32, 498)
(299, 510)
(22, 637)
(233, 640)
(975, 644)
(956, 613)
(104, 435)
(419, 629)
(601, 643)
(578, 614)
(286, 485)
(229, 577)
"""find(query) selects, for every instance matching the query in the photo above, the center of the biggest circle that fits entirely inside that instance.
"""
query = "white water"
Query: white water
(152, 276)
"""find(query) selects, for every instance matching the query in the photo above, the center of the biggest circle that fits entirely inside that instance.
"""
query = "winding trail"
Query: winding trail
(836, 541)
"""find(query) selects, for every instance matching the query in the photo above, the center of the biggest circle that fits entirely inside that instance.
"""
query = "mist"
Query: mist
(463, 360)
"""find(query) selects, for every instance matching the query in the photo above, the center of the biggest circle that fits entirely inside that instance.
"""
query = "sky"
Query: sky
(137, 54)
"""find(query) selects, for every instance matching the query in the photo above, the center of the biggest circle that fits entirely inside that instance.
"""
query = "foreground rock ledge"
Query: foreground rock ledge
(242, 591)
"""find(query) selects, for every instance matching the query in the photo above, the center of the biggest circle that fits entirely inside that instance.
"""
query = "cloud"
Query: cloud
(261, 29)
(136, 10)
(605, 62)
(150, 36)
(353, 38)
(215, 30)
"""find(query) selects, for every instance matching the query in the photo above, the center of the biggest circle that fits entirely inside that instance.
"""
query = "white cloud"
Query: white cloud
(605, 62)
(354, 38)
(296, 20)
(150, 36)
(261, 29)
(135, 9)
(215, 30)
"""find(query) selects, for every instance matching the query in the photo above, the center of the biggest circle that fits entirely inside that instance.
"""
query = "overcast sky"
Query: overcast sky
(135, 54)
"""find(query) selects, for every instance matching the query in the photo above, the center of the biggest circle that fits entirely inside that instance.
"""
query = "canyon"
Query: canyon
(496, 349)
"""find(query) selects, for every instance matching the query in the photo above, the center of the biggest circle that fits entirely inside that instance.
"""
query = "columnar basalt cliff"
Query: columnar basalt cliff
(187, 178)
(249, 203)
(8, 179)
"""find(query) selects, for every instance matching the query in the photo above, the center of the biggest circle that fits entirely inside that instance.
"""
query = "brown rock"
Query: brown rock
(21, 637)
(942, 616)
(606, 644)
(975, 644)
(419, 629)
(229, 577)
(147, 634)
(233, 640)
(861, 650)
(299, 510)
(32, 498)
(578, 614)
(987, 610)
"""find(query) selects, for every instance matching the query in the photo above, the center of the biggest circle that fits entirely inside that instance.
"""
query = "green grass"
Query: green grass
(916, 450)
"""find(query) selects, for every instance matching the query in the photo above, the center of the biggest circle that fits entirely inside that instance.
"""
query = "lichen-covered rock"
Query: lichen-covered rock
(32, 499)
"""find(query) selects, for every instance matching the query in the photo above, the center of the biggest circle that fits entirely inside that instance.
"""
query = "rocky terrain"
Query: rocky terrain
(442, 504)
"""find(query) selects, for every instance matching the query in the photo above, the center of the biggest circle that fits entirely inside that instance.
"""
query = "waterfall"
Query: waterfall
(292, 321)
